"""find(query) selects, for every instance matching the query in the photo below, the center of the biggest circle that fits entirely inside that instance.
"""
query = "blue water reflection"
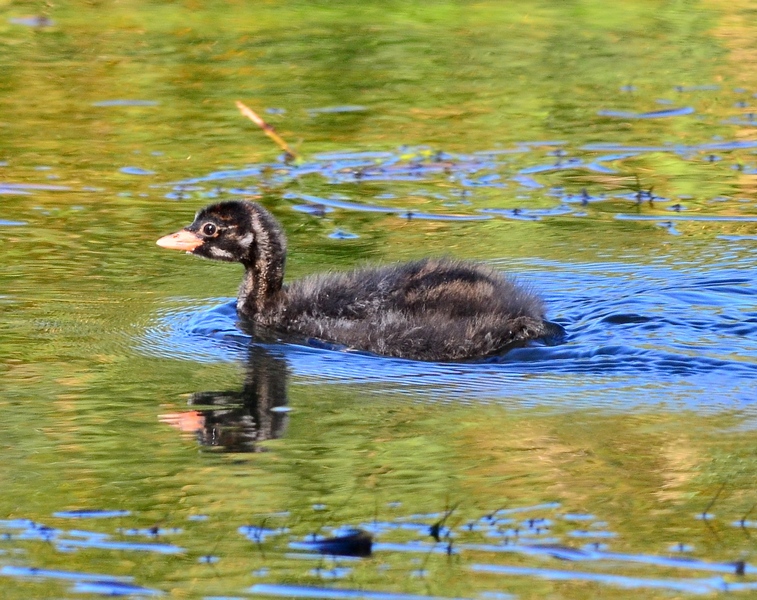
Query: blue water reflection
(637, 335)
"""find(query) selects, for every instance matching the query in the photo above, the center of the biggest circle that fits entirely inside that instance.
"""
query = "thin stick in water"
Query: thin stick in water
(267, 129)
(712, 502)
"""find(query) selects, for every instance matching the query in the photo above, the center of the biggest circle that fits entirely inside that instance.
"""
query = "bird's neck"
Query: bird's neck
(258, 292)
(264, 267)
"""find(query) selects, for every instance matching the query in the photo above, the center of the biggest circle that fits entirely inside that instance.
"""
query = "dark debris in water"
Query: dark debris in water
(356, 542)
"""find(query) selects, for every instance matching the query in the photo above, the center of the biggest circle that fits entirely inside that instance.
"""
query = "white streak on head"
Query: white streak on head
(246, 240)
(220, 253)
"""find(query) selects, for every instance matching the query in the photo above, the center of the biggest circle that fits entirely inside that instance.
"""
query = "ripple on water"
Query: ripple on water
(301, 591)
(478, 175)
(125, 102)
(336, 109)
(655, 114)
(493, 537)
(91, 514)
(37, 21)
(637, 336)
(136, 171)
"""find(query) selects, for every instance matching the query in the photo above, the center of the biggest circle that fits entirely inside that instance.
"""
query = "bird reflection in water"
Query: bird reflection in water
(238, 421)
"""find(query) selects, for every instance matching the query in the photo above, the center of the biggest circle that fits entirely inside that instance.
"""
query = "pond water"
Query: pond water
(606, 155)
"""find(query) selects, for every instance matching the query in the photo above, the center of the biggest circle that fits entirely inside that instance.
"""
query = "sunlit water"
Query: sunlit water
(606, 159)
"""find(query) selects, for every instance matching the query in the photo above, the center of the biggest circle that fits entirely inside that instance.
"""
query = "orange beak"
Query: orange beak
(181, 240)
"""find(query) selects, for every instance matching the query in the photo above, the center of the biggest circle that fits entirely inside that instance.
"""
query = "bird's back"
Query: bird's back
(431, 309)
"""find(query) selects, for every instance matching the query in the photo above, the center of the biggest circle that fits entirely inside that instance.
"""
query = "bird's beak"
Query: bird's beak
(181, 240)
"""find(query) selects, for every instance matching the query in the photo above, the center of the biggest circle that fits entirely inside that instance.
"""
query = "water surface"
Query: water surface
(605, 155)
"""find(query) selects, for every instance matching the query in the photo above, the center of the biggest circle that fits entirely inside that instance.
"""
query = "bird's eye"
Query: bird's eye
(209, 229)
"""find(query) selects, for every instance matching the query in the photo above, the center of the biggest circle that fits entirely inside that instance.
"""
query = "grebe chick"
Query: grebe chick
(435, 309)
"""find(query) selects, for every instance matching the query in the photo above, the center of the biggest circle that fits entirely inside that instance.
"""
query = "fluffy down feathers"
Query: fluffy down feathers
(432, 309)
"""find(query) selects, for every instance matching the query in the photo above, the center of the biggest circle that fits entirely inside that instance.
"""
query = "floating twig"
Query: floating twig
(268, 130)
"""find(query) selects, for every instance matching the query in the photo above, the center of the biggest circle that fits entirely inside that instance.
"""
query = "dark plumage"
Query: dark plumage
(431, 309)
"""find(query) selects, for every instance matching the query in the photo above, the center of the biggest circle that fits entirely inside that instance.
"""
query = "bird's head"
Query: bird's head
(220, 231)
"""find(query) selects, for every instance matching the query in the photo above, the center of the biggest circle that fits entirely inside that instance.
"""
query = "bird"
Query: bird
(432, 309)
